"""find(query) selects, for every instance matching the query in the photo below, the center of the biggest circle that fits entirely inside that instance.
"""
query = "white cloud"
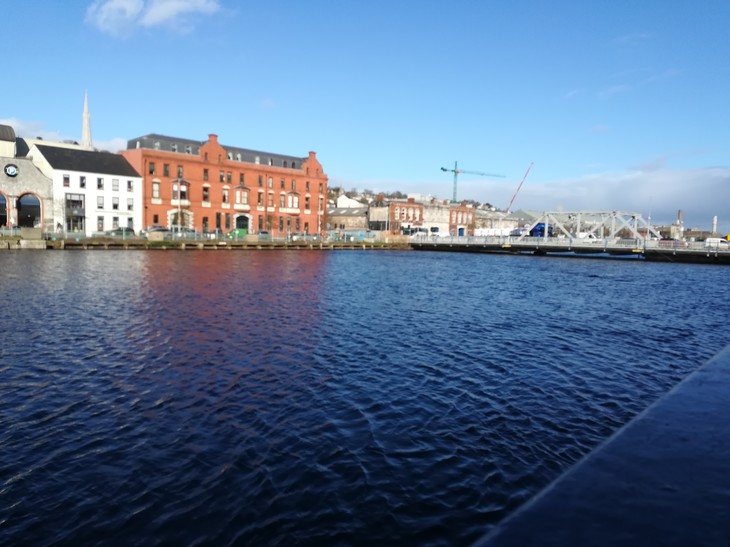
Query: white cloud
(31, 130)
(122, 17)
(659, 193)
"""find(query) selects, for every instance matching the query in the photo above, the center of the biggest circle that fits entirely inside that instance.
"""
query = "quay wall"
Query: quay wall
(660, 480)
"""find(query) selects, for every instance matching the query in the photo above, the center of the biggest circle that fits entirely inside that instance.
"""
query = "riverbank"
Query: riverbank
(211, 244)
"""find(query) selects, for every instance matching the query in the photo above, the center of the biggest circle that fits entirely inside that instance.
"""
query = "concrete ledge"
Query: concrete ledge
(663, 479)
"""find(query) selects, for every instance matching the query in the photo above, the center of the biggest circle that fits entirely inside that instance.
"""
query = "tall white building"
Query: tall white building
(92, 191)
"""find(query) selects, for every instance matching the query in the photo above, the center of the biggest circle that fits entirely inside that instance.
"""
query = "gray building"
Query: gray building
(26, 194)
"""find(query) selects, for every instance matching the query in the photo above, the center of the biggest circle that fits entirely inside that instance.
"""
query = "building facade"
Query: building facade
(209, 187)
(25, 192)
(91, 191)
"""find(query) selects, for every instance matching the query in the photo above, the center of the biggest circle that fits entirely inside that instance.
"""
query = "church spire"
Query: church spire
(86, 130)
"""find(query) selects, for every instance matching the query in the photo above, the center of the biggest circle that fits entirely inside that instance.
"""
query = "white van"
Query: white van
(717, 243)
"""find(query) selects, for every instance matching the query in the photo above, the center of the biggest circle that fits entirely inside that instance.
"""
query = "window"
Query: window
(183, 188)
(205, 224)
(157, 145)
(221, 176)
(284, 164)
(271, 162)
(228, 221)
(283, 184)
(281, 224)
(296, 202)
(173, 147)
(306, 227)
(293, 185)
(218, 221)
(271, 201)
(261, 180)
(155, 219)
(229, 177)
(156, 190)
(282, 203)
(100, 224)
(130, 204)
(130, 185)
(188, 149)
(115, 203)
(67, 180)
(152, 168)
(206, 193)
(130, 223)
(100, 183)
(99, 202)
(298, 225)
(271, 182)
(225, 195)
(205, 174)
(179, 171)
(115, 223)
(260, 202)
(240, 178)
(290, 202)
(293, 165)
(166, 169)
(320, 187)
(257, 161)
(115, 185)
(306, 202)
(261, 223)
(82, 181)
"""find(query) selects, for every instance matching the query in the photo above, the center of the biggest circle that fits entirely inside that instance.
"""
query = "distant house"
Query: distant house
(343, 202)
(347, 218)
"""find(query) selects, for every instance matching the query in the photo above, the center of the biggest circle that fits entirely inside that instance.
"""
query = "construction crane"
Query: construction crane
(509, 207)
(456, 172)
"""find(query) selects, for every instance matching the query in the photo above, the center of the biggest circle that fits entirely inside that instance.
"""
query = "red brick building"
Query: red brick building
(210, 187)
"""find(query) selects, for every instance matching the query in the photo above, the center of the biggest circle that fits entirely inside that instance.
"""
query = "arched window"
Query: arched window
(29, 211)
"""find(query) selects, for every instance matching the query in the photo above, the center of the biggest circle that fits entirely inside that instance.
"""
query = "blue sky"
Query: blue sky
(620, 105)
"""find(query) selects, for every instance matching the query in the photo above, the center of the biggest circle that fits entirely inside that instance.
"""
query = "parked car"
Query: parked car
(122, 231)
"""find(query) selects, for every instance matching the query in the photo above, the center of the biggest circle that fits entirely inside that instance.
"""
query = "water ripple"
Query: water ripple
(321, 398)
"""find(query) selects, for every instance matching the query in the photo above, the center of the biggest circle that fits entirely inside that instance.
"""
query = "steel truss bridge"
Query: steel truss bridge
(586, 233)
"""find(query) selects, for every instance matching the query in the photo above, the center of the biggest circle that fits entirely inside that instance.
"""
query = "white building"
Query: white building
(92, 191)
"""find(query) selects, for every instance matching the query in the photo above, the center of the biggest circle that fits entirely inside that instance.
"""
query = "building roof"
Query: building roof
(87, 161)
(7, 133)
(347, 211)
(155, 141)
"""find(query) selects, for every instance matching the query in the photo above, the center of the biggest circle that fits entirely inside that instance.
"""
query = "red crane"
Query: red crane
(518, 188)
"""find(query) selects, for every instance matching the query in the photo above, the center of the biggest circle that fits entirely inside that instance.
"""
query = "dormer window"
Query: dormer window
(173, 147)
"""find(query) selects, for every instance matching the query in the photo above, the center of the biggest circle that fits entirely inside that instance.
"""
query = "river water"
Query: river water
(321, 398)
